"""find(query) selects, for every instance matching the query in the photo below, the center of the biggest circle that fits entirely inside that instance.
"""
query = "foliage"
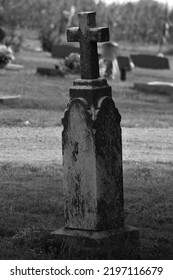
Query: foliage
(52, 24)
(9, 19)
(55, 20)
(142, 21)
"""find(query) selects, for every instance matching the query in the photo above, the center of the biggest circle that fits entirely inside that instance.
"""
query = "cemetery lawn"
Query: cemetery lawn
(31, 191)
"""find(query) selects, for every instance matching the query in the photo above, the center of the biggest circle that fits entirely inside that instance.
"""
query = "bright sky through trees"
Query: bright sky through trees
(169, 2)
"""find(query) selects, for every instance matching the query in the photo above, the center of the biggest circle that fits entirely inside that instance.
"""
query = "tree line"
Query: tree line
(144, 21)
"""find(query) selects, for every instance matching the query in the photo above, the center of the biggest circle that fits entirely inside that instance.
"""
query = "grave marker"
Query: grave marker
(156, 87)
(51, 72)
(6, 99)
(14, 67)
(92, 159)
(88, 35)
(150, 61)
(109, 55)
(2, 35)
(62, 50)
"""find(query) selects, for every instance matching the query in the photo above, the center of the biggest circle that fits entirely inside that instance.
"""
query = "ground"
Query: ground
(30, 145)
(31, 189)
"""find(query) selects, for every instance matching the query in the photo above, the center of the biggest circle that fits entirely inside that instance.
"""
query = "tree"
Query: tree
(134, 22)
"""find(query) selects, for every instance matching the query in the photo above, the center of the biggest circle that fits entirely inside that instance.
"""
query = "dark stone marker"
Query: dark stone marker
(123, 74)
(43, 71)
(2, 35)
(150, 61)
(92, 160)
(88, 35)
(124, 62)
(62, 51)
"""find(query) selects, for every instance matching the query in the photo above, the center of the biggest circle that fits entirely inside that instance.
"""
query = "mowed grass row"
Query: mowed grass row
(31, 197)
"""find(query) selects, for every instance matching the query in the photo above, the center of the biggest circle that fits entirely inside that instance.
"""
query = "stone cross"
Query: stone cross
(88, 35)
(92, 156)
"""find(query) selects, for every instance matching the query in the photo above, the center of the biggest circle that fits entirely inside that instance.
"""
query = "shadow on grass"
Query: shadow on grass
(148, 206)
(31, 207)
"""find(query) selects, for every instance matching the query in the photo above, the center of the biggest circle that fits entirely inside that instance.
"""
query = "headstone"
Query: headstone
(50, 72)
(92, 159)
(6, 99)
(62, 50)
(159, 87)
(2, 35)
(123, 74)
(150, 61)
(110, 50)
(14, 67)
(124, 62)
(109, 54)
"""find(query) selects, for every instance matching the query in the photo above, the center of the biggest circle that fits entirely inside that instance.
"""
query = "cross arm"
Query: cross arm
(100, 34)
(73, 34)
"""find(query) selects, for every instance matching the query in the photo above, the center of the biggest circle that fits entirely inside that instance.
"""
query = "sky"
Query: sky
(169, 2)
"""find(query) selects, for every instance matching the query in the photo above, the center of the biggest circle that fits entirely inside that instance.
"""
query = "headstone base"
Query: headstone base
(118, 243)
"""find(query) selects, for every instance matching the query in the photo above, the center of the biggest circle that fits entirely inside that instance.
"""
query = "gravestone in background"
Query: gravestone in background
(109, 50)
(63, 50)
(52, 72)
(7, 99)
(124, 66)
(156, 87)
(2, 35)
(124, 62)
(92, 159)
(150, 61)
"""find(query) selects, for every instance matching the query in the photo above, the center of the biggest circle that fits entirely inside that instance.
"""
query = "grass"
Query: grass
(148, 200)
(31, 205)
(31, 195)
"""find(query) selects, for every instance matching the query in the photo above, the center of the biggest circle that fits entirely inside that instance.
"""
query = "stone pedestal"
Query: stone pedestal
(93, 177)
(92, 158)
(119, 243)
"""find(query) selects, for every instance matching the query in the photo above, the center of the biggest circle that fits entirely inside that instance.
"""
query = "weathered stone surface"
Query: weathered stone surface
(119, 243)
(88, 35)
(79, 167)
(92, 154)
(108, 145)
(91, 90)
